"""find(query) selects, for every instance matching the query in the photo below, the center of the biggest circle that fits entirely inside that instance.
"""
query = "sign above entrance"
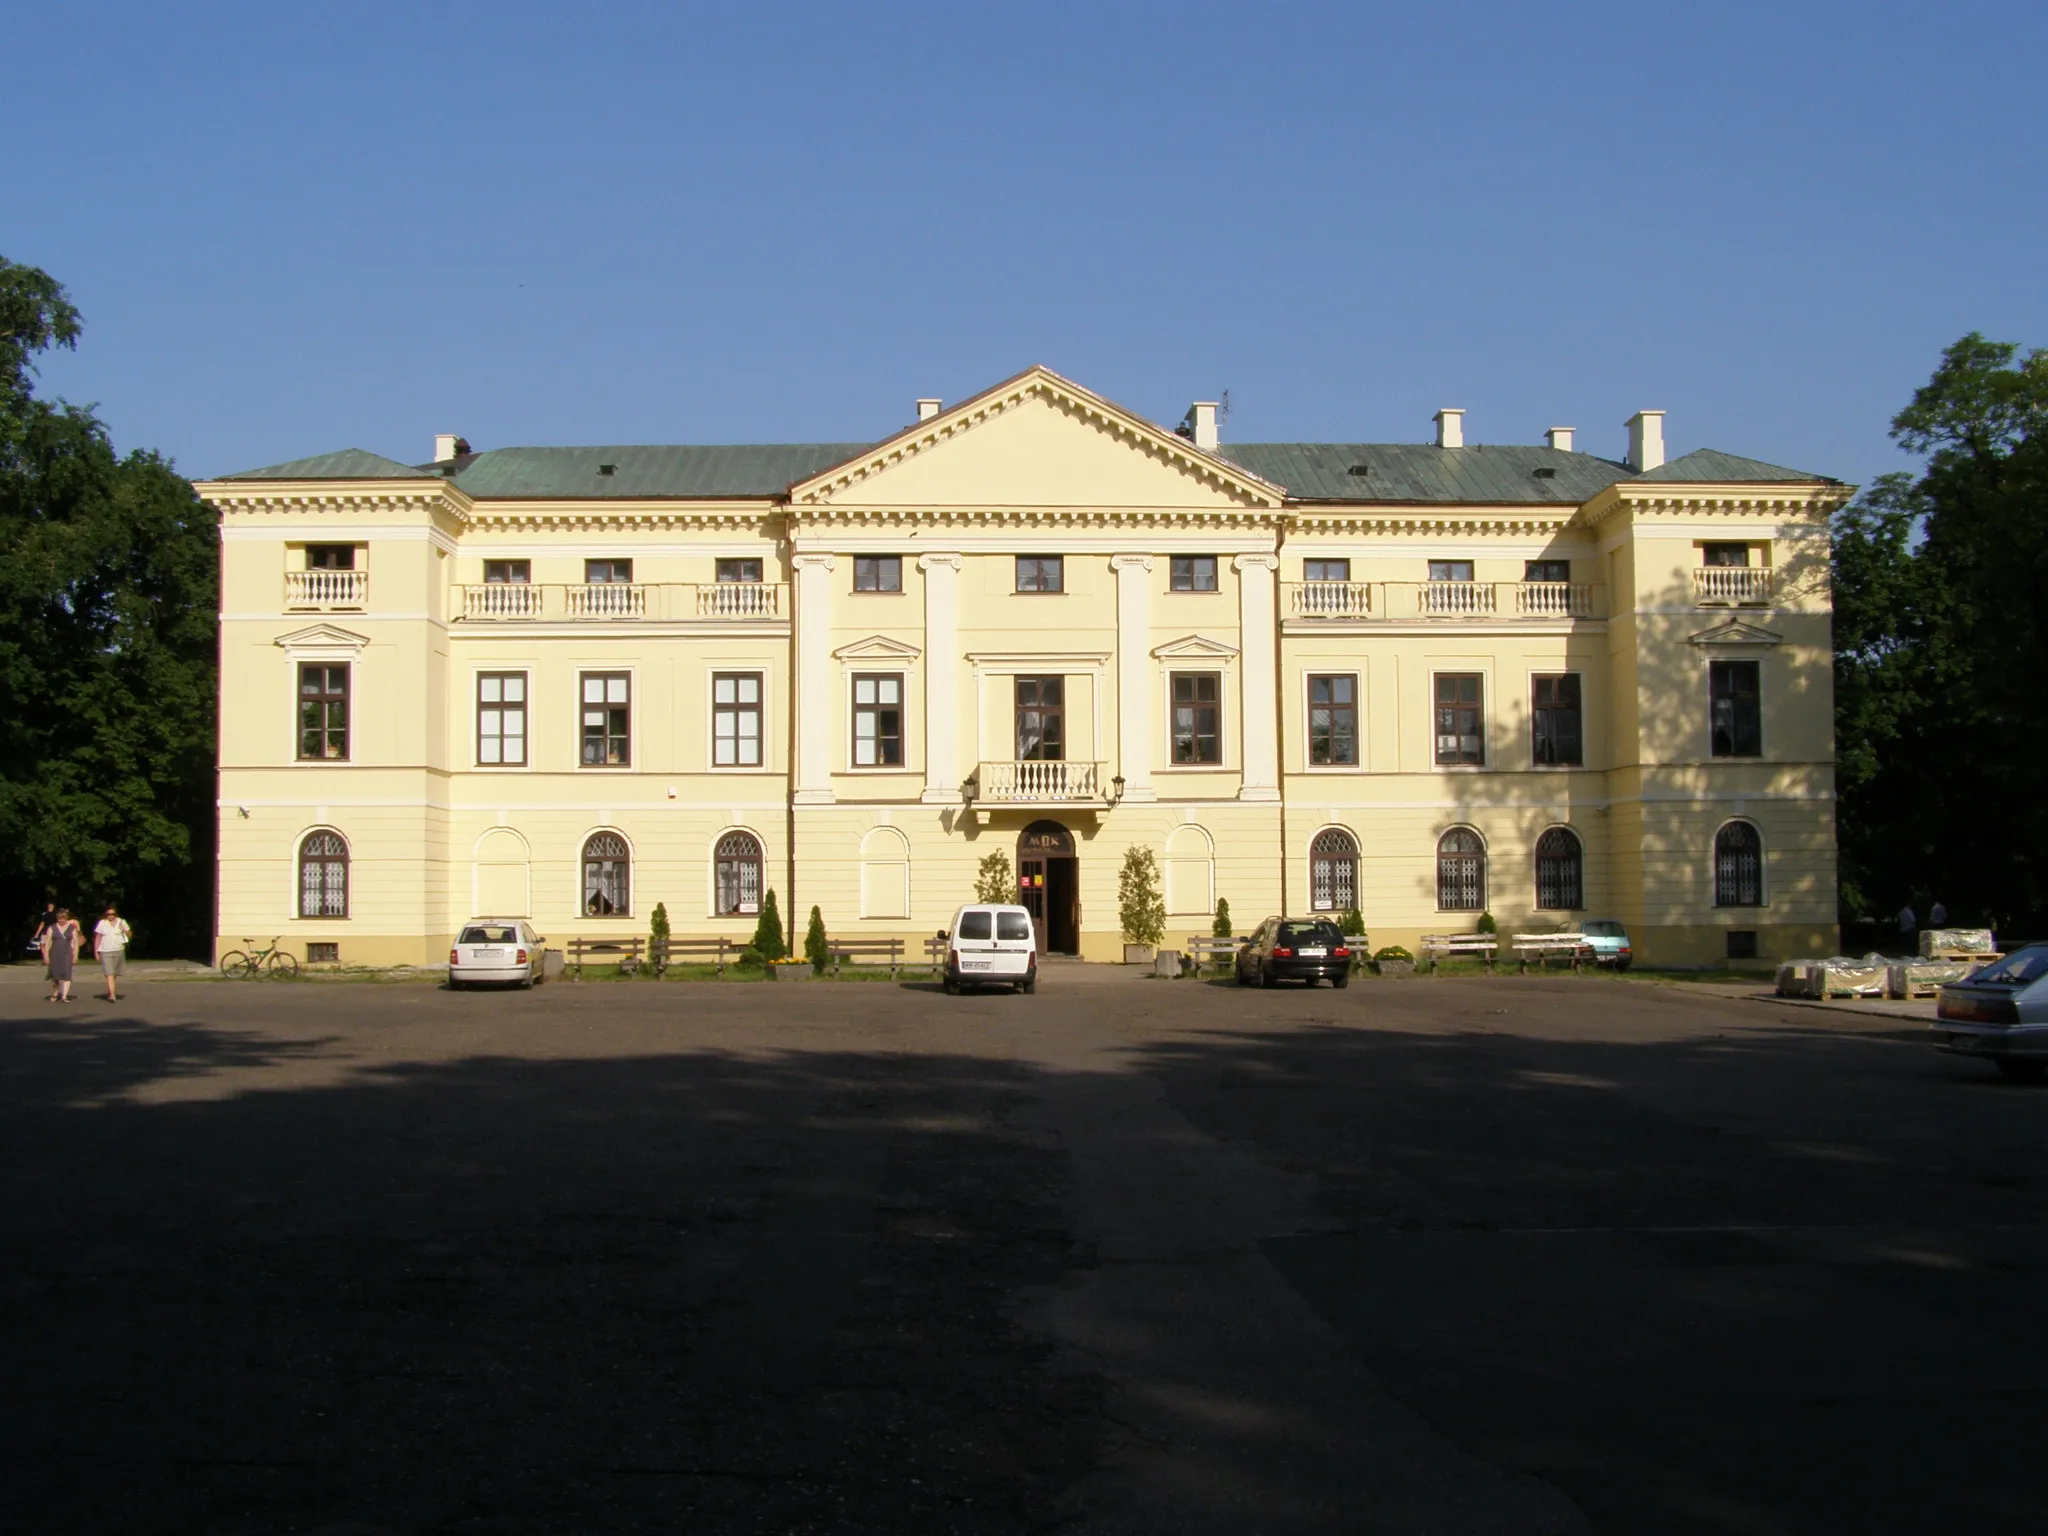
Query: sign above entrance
(1045, 839)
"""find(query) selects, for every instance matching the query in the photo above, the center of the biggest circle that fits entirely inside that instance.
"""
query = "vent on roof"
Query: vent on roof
(1546, 473)
(1359, 469)
(607, 469)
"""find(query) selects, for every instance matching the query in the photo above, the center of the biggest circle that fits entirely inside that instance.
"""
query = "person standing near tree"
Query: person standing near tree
(60, 952)
(110, 943)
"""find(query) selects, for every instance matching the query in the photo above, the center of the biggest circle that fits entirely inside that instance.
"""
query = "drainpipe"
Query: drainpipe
(789, 736)
(1280, 702)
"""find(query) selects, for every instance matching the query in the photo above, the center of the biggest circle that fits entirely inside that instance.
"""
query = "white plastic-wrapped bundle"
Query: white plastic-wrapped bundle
(1938, 941)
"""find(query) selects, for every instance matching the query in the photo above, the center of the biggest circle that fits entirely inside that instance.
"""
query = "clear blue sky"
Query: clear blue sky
(295, 228)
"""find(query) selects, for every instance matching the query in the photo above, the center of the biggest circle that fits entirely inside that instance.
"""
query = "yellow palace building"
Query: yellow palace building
(1430, 679)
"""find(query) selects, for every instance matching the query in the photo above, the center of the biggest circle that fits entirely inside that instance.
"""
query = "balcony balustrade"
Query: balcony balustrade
(327, 591)
(723, 601)
(1732, 586)
(1038, 782)
(1329, 599)
(1471, 601)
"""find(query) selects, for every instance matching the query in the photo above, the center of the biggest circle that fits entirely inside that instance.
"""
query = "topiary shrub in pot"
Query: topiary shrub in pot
(1140, 907)
(1393, 960)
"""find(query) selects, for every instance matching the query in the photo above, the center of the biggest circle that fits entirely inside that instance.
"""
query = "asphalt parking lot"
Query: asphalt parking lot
(1445, 1256)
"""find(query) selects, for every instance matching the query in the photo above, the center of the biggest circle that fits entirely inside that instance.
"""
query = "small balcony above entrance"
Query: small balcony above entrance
(1040, 782)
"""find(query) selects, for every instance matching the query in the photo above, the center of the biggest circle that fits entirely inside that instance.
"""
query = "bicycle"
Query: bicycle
(238, 966)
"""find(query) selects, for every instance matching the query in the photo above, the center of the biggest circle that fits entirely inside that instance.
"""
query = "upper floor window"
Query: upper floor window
(1450, 570)
(323, 875)
(330, 557)
(1559, 730)
(736, 720)
(878, 573)
(501, 719)
(1041, 719)
(1326, 570)
(1546, 570)
(607, 719)
(747, 568)
(508, 573)
(1041, 573)
(600, 573)
(1197, 717)
(1724, 554)
(323, 710)
(877, 719)
(1738, 866)
(1736, 708)
(1333, 719)
(1460, 728)
(1194, 573)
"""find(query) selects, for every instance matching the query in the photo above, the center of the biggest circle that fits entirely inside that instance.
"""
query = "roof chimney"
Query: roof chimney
(1199, 425)
(1559, 438)
(927, 409)
(448, 446)
(1450, 428)
(1645, 440)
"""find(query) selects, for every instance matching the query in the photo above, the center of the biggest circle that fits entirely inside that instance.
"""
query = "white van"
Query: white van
(991, 944)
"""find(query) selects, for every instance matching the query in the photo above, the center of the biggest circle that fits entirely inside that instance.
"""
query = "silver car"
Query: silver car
(503, 950)
(2000, 1014)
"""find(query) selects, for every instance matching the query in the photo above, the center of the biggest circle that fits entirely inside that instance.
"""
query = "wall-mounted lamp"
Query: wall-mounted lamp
(1116, 790)
(969, 788)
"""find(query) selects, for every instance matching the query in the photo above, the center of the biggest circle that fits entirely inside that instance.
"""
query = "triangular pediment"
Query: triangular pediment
(323, 637)
(1735, 632)
(1037, 440)
(1199, 647)
(877, 648)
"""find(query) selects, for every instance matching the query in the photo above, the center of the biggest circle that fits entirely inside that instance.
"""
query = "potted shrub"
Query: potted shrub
(817, 948)
(1140, 907)
(1393, 960)
(768, 931)
(995, 882)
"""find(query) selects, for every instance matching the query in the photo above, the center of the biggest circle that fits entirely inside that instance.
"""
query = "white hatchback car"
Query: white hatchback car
(991, 944)
(496, 949)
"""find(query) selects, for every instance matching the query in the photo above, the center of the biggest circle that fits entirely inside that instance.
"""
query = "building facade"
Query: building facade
(1426, 679)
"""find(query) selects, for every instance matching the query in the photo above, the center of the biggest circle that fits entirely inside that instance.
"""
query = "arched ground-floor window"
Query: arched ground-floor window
(1560, 871)
(1460, 871)
(1333, 871)
(1738, 866)
(323, 875)
(737, 875)
(607, 876)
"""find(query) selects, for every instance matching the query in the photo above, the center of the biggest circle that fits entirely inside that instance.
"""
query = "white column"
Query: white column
(942, 773)
(1258, 641)
(1134, 674)
(814, 698)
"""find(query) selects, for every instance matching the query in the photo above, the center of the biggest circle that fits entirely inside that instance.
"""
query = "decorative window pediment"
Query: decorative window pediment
(324, 642)
(878, 648)
(1194, 648)
(1735, 632)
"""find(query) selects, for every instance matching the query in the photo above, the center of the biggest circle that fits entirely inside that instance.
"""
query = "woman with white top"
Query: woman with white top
(110, 943)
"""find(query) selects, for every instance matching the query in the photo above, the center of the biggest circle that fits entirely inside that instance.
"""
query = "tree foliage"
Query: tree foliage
(1941, 613)
(817, 948)
(108, 591)
(995, 881)
(768, 941)
(1220, 929)
(1140, 907)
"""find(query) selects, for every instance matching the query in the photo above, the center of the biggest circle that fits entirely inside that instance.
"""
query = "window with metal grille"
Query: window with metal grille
(1197, 717)
(607, 719)
(1460, 871)
(1041, 719)
(323, 875)
(607, 876)
(1735, 704)
(878, 573)
(1460, 737)
(1738, 866)
(323, 711)
(877, 719)
(736, 720)
(501, 719)
(1559, 731)
(1560, 871)
(1333, 719)
(1333, 872)
(1193, 573)
(738, 873)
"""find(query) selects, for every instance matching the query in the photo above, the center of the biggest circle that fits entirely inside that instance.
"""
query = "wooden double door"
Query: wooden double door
(1049, 886)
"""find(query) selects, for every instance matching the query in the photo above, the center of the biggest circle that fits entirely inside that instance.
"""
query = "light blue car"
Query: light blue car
(1608, 939)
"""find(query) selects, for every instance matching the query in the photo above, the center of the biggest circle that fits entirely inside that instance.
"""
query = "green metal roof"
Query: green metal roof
(1704, 465)
(1421, 472)
(349, 464)
(711, 471)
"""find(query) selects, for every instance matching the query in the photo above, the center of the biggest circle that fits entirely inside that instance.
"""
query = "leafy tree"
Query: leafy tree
(817, 948)
(1220, 929)
(108, 591)
(657, 925)
(1140, 907)
(995, 881)
(768, 931)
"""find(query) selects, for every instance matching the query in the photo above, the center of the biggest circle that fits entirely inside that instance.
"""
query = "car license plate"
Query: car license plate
(488, 956)
(975, 965)
(1311, 954)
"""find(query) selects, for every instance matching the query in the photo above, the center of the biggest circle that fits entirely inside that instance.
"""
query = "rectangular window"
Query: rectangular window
(1546, 570)
(1194, 573)
(877, 719)
(501, 719)
(1041, 573)
(330, 557)
(1333, 719)
(323, 711)
(1560, 735)
(607, 719)
(1741, 943)
(736, 720)
(748, 569)
(1326, 570)
(1450, 570)
(1197, 717)
(1041, 719)
(1460, 730)
(508, 573)
(1736, 708)
(878, 573)
(604, 573)
(1736, 555)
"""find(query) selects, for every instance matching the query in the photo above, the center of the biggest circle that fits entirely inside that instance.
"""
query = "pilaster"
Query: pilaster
(1134, 674)
(941, 678)
(813, 711)
(1258, 639)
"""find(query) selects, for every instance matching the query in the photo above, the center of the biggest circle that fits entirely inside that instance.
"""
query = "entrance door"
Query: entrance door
(1049, 886)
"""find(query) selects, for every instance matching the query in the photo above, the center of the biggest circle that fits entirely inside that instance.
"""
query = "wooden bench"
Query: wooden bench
(935, 951)
(874, 951)
(1541, 947)
(625, 952)
(1204, 949)
(667, 952)
(1437, 947)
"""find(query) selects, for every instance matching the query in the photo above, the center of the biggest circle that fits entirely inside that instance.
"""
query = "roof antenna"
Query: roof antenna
(1223, 408)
